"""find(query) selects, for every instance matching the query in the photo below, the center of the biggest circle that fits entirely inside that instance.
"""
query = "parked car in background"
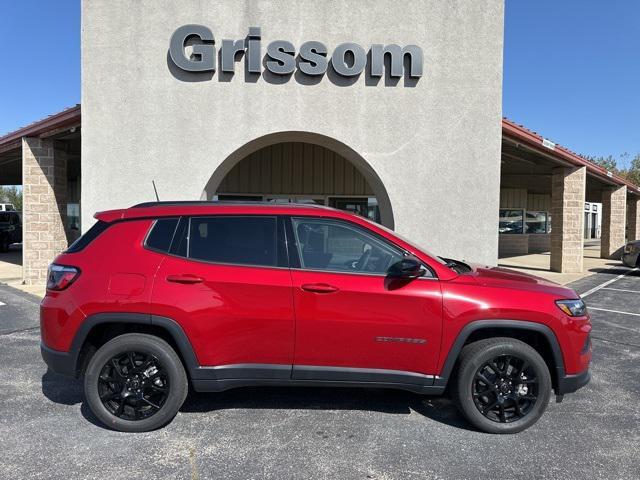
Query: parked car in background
(10, 229)
(7, 207)
(631, 254)
(162, 295)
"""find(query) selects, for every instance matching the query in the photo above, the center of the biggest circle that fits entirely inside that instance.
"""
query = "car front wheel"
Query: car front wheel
(135, 383)
(503, 385)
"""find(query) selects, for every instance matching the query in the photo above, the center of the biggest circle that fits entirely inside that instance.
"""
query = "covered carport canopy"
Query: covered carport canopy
(11, 165)
(532, 163)
(63, 127)
(44, 157)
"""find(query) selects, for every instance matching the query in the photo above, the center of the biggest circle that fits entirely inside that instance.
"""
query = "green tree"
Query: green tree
(13, 195)
(609, 162)
(633, 172)
(630, 172)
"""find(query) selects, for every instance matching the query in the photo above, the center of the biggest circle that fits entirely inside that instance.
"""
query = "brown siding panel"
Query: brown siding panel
(295, 168)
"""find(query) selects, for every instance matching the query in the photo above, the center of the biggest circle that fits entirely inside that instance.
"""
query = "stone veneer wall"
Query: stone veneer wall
(568, 186)
(44, 180)
(614, 212)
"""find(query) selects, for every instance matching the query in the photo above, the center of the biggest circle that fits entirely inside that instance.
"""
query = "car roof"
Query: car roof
(168, 209)
(151, 210)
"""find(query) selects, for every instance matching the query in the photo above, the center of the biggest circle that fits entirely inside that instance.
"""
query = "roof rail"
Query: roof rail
(250, 203)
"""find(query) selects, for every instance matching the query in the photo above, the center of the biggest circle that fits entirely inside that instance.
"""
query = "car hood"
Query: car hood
(506, 278)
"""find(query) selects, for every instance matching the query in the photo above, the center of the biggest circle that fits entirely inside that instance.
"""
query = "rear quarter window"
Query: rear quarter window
(91, 234)
(161, 234)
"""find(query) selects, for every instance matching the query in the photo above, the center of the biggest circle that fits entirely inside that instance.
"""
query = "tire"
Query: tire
(158, 372)
(520, 400)
(4, 244)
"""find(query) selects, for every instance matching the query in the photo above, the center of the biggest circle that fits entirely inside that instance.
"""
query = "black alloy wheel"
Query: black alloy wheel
(505, 389)
(502, 385)
(133, 385)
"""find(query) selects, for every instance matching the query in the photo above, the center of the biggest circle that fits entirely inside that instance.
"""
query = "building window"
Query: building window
(511, 221)
(73, 220)
(365, 207)
(237, 198)
(536, 222)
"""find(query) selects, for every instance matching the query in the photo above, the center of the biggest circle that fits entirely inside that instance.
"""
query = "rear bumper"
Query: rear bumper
(630, 259)
(62, 363)
(571, 383)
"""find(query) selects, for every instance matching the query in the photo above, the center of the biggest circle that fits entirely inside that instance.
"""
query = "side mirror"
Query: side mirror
(408, 267)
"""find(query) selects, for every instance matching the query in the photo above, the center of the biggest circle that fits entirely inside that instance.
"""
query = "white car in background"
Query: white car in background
(7, 207)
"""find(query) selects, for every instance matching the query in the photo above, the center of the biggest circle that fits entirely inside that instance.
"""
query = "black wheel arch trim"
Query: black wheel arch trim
(69, 363)
(470, 328)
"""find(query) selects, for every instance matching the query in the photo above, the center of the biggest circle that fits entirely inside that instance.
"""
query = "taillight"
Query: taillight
(61, 276)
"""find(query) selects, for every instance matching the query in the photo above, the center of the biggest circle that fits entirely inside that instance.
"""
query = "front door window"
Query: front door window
(340, 247)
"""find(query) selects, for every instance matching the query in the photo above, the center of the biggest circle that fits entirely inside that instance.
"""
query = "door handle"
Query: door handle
(186, 278)
(319, 288)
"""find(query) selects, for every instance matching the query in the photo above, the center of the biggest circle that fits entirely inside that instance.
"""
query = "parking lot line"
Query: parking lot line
(620, 290)
(614, 311)
(607, 283)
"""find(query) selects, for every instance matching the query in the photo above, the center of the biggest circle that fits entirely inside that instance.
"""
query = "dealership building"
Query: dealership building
(388, 109)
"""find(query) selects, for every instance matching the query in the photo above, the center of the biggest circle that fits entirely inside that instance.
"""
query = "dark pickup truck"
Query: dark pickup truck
(10, 229)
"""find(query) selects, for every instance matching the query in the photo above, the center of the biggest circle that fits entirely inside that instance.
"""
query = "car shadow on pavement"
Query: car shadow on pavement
(439, 409)
(68, 391)
(616, 270)
(60, 389)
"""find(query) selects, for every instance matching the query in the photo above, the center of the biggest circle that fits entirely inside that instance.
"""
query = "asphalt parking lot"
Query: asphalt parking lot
(47, 431)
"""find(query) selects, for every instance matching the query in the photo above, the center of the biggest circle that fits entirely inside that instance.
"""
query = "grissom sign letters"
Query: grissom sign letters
(347, 59)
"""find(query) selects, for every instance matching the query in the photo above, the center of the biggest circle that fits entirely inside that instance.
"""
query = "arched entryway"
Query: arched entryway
(305, 168)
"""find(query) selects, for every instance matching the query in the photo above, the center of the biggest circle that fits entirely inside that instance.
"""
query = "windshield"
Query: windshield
(410, 242)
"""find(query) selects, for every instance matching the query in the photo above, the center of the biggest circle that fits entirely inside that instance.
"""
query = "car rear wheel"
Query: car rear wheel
(503, 385)
(4, 244)
(135, 383)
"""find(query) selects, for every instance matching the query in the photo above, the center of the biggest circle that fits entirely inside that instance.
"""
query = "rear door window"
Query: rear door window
(239, 240)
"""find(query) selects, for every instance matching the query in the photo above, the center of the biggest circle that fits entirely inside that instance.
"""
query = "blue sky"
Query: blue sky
(571, 68)
(571, 72)
(40, 52)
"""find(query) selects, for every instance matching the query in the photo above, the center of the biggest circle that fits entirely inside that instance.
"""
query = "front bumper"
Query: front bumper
(571, 383)
(63, 363)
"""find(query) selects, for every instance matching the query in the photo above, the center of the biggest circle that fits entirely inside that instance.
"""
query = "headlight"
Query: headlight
(573, 308)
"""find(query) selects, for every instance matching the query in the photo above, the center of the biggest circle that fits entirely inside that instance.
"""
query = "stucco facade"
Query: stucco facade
(429, 147)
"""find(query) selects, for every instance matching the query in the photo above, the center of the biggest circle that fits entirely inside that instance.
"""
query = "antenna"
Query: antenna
(155, 189)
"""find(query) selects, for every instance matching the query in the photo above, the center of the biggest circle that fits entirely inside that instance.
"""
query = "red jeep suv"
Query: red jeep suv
(220, 295)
